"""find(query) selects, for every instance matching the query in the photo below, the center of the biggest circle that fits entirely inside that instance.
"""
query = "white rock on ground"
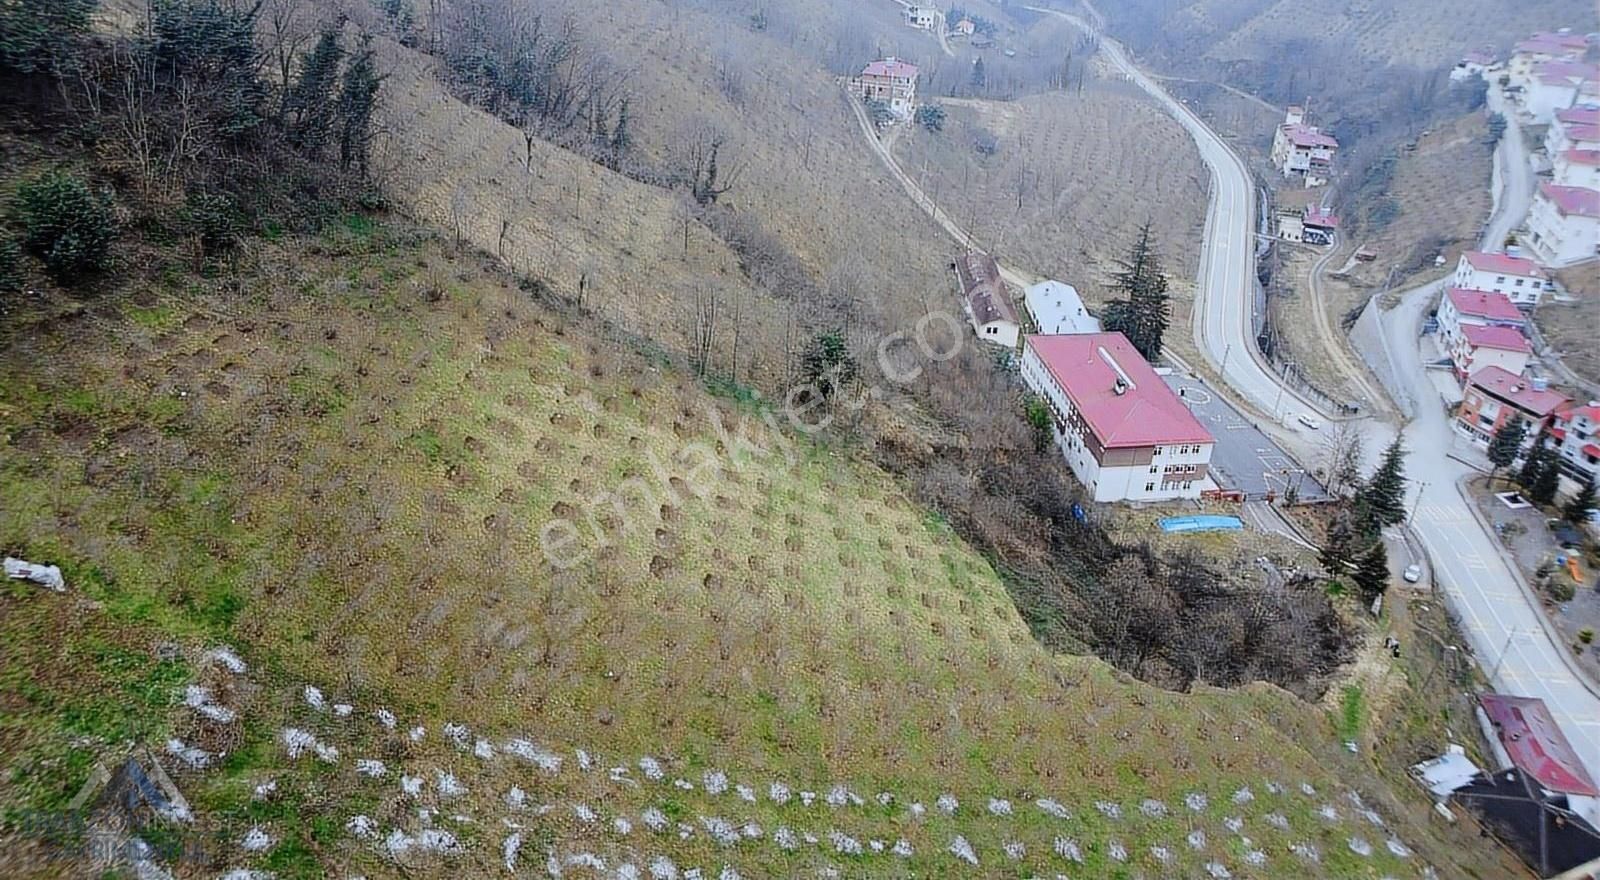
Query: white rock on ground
(47, 576)
(714, 781)
(226, 658)
(1068, 849)
(1053, 808)
(362, 827)
(509, 849)
(961, 849)
(947, 804)
(255, 840)
(386, 718)
(314, 698)
(447, 784)
(193, 757)
(371, 768)
(999, 807)
(651, 768)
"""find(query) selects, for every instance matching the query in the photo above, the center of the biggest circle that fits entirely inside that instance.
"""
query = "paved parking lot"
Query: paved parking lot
(1244, 459)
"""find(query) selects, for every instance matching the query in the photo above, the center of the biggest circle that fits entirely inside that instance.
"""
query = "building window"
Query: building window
(1152, 469)
(1186, 485)
(1149, 487)
(1157, 451)
(1519, 282)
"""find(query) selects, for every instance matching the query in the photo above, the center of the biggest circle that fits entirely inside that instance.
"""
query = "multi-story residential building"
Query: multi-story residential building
(1519, 278)
(890, 81)
(922, 17)
(1477, 346)
(1301, 150)
(1057, 309)
(1576, 435)
(1540, 49)
(1574, 129)
(1494, 396)
(1556, 86)
(1124, 433)
(1564, 224)
(986, 299)
(1576, 168)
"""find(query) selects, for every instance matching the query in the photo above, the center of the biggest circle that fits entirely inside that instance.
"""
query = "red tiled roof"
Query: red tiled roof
(1308, 136)
(1318, 217)
(1503, 263)
(1558, 433)
(1579, 115)
(1518, 391)
(890, 67)
(1572, 201)
(1582, 157)
(1536, 745)
(1484, 304)
(1088, 367)
(984, 289)
(1484, 57)
(1590, 412)
(1582, 132)
(1591, 450)
(1564, 72)
(1552, 44)
(1503, 338)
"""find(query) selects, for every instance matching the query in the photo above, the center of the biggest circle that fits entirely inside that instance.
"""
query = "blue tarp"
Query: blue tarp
(1207, 523)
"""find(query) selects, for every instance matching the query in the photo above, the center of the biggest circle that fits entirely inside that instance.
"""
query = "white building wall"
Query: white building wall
(1560, 240)
(1542, 100)
(1521, 289)
(1572, 174)
(999, 333)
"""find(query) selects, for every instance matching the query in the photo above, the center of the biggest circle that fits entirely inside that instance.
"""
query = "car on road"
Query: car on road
(1413, 574)
(1309, 421)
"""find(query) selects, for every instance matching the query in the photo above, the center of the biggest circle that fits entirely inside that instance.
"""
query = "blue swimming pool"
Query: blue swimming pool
(1203, 523)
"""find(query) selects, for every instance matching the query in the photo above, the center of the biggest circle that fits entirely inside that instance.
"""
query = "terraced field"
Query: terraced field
(355, 481)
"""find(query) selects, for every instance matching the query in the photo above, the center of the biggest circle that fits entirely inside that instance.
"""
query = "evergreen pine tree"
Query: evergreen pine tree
(1505, 445)
(311, 102)
(1548, 482)
(621, 137)
(1577, 510)
(1337, 547)
(1533, 462)
(979, 76)
(1144, 315)
(1383, 496)
(358, 98)
(1372, 574)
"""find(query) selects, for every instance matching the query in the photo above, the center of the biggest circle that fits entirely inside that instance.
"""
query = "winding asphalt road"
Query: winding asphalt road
(1499, 615)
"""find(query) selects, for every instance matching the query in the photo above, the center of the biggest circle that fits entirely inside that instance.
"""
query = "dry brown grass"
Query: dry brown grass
(1569, 327)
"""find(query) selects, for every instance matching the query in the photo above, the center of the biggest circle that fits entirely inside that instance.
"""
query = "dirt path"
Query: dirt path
(1261, 102)
(1336, 345)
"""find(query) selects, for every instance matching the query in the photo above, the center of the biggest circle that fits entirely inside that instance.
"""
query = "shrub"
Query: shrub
(214, 221)
(10, 266)
(33, 33)
(1561, 590)
(931, 117)
(1586, 635)
(68, 226)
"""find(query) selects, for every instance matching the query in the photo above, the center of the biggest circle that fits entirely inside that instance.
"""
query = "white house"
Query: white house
(1056, 309)
(922, 17)
(986, 300)
(1576, 168)
(1474, 64)
(1465, 308)
(1564, 224)
(1577, 128)
(1476, 346)
(1303, 150)
(1519, 278)
(1556, 86)
(891, 81)
(1575, 433)
(1123, 432)
(1540, 49)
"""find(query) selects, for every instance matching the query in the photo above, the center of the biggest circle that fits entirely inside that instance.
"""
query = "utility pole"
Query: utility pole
(1416, 506)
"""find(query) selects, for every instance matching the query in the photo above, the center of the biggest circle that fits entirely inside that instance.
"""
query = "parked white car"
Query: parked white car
(1413, 574)
(1309, 421)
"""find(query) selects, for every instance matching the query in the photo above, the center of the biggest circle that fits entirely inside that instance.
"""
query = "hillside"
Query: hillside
(347, 481)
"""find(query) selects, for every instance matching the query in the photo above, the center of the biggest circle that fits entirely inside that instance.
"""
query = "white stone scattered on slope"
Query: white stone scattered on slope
(482, 750)
(247, 874)
(1327, 811)
(1274, 787)
(524, 750)
(1308, 852)
(721, 830)
(584, 814)
(193, 757)
(947, 804)
(411, 785)
(728, 873)
(47, 576)
(1053, 808)
(1398, 848)
(1196, 801)
(325, 753)
(1244, 795)
(654, 819)
(1255, 857)
(297, 741)
(683, 784)
(784, 838)
(662, 868)
(199, 699)
(457, 734)
(1307, 789)
(999, 807)
(1278, 821)
(714, 781)
(586, 860)
(917, 809)
(417, 733)
(447, 784)
(371, 767)
(1068, 849)
(628, 871)
(362, 827)
(778, 793)
(509, 849)
(343, 710)
(516, 798)
(314, 698)
(1373, 817)
(901, 848)
(1014, 850)
(386, 718)
(809, 838)
(961, 849)
(751, 830)
(1234, 824)
(651, 768)
(266, 789)
(885, 798)
(875, 845)
(1218, 871)
(745, 792)
(585, 763)
(1161, 853)
(620, 775)
(1108, 809)
(255, 840)
(1359, 846)
(1117, 851)
(1197, 839)
(807, 798)
(622, 826)
(1153, 808)
(844, 844)
(224, 657)
(838, 796)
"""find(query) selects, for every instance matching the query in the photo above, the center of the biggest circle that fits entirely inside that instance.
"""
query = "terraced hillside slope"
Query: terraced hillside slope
(344, 473)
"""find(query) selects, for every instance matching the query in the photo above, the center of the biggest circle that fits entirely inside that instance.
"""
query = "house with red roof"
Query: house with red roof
(1519, 278)
(1461, 308)
(1475, 64)
(1537, 50)
(986, 299)
(1554, 86)
(1574, 129)
(1477, 346)
(1575, 433)
(1301, 150)
(1494, 396)
(1122, 430)
(1564, 224)
(890, 81)
(1576, 168)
